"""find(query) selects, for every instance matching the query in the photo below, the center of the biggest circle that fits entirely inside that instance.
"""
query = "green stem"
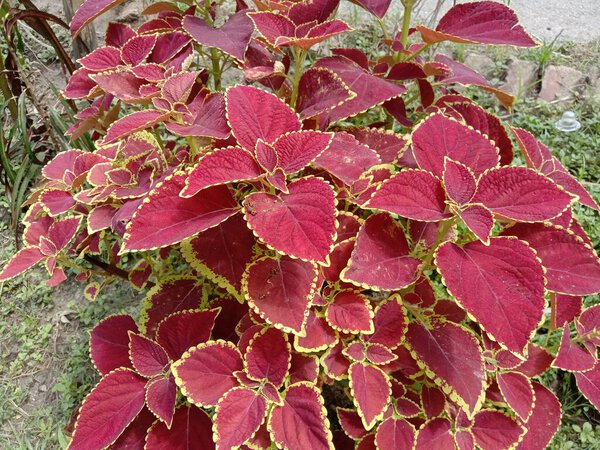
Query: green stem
(300, 56)
(442, 231)
(408, 6)
(418, 52)
(383, 29)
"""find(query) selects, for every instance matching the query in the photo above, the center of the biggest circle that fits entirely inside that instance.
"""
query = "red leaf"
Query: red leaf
(521, 194)
(394, 434)
(109, 343)
(544, 422)
(297, 149)
(370, 90)
(24, 259)
(299, 224)
(273, 26)
(572, 357)
(134, 436)
(320, 90)
(232, 38)
(108, 409)
(205, 372)
(222, 166)
(222, 253)
(184, 329)
(440, 136)
(567, 308)
(238, 416)
(433, 401)
(588, 325)
(301, 422)
(161, 396)
(454, 356)
(495, 431)
(378, 8)
(481, 120)
(206, 119)
(122, 84)
(171, 295)
(346, 158)
(136, 50)
(389, 146)
(539, 157)
(351, 423)
(280, 290)
(479, 220)
(415, 194)
(379, 354)
(589, 384)
(435, 435)
(132, 123)
(56, 201)
(268, 357)
(165, 218)
(191, 430)
(389, 324)
(147, 357)
(103, 58)
(538, 361)
(350, 312)
(380, 259)
(572, 267)
(319, 335)
(501, 285)
(303, 368)
(88, 11)
(254, 114)
(518, 392)
(459, 182)
(483, 22)
(335, 363)
(371, 392)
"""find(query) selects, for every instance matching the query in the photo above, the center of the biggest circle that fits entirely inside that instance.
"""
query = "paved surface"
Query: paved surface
(575, 20)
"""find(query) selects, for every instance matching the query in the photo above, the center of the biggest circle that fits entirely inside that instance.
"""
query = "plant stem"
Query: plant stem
(442, 231)
(408, 6)
(300, 56)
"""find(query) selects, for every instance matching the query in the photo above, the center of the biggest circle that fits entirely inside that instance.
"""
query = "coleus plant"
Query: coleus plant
(338, 251)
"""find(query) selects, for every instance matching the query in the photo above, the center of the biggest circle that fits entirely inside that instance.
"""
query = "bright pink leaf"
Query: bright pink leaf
(88, 11)
(301, 423)
(132, 123)
(268, 357)
(380, 259)
(454, 356)
(571, 356)
(299, 224)
(109, 343)
(371, 392)
(414, 194)
(254, 114)
(205, 372)
(501, 285)
(238, 416)
(280, 290)
(57, 201)
(108, 409)
(165, 218)
(389, 146)
(351, 423)
(103, 58)
(319, 334)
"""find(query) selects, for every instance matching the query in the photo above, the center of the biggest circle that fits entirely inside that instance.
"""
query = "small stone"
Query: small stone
(520, 78)
(561, 82)
(480, 63)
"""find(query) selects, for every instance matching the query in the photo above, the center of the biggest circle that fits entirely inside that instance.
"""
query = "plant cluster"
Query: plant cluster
(338, 253)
